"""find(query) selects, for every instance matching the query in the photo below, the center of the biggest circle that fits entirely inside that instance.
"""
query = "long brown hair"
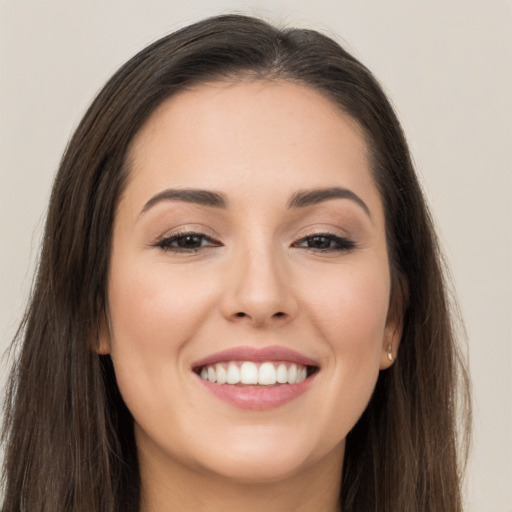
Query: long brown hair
(68, 436)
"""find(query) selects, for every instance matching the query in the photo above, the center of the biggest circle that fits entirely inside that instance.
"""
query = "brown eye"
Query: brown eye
(186, 242)
(325, 242)
(319, 242)
(189, 241)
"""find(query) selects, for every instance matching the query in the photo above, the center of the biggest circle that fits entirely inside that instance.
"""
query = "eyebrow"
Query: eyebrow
(304, 198)
(300, 199)
(195, 196)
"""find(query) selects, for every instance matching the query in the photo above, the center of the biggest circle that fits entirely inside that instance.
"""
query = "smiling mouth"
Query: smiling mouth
(249, 373)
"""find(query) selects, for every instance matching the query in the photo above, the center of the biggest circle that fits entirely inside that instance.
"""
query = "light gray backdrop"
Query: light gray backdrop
(447, 66)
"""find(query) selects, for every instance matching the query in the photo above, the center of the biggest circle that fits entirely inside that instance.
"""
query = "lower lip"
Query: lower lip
(257, 398)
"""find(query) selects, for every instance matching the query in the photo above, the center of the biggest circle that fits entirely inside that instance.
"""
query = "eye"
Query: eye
(186, 242)
(325, 242)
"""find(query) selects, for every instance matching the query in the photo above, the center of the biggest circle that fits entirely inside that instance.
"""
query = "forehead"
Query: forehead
(247, 136)
(259, 106)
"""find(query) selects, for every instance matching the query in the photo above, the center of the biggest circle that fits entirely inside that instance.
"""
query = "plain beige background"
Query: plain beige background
(447, 66)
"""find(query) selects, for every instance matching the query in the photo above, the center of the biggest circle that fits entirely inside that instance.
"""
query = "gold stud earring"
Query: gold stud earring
(390, 352)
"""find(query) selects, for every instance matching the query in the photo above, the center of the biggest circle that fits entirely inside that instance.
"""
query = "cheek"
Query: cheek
(350, 307)
(154, 307)
(349, 312)
(155, 312)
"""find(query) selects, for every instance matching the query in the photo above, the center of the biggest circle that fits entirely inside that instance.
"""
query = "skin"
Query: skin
(258, 284)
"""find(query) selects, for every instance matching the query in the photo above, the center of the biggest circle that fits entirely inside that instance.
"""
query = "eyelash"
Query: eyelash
(165, 244)
(342, 244)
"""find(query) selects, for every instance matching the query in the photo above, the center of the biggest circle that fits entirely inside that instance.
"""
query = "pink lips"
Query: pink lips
(257, 355)
(256, 397)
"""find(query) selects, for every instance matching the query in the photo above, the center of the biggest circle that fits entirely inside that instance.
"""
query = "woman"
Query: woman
(240, 301)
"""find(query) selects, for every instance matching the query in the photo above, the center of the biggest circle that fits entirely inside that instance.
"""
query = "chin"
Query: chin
(264, 457)
(262, 469)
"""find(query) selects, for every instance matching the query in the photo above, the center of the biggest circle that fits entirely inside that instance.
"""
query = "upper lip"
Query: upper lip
(257, 355)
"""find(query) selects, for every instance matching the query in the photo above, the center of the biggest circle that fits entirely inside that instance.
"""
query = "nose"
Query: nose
(259, 290)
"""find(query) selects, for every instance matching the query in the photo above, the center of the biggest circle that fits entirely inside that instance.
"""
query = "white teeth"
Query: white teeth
(233, 374)
(249, 373)
(222, 376)
(267, 374)
(292, 374)
(282, 374)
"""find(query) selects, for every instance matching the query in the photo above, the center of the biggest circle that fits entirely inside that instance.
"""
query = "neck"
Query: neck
(168, 486)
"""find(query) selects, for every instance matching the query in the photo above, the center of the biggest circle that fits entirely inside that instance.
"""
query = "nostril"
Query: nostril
(241, 314)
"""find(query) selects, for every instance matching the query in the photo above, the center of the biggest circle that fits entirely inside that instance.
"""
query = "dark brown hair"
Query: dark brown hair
(69, 443)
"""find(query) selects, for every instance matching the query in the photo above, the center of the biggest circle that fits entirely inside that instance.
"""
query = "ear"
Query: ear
(394, 324)
(103, 345)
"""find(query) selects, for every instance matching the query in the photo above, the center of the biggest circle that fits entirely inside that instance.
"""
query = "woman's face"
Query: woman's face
(249, 244)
